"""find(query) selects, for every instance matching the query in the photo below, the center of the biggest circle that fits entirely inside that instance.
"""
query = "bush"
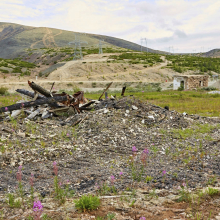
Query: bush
(94, 84)
(3, 90)
(208, 88)
(87, 202)
(4, 71)
(181, 88)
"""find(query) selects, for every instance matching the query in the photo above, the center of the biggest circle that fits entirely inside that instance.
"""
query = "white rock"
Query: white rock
(106, 111)
(184, 113)
(151, 116)
(142, 121)
(134, 107)
(127, 111)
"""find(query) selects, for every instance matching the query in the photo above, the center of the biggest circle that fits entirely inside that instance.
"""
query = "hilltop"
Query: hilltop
(15, 39)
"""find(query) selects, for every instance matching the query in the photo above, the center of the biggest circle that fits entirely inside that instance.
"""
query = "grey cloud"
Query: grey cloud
(179, 34)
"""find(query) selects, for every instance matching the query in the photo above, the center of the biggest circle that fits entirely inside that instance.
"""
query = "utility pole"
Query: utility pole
(78, 49)
(100, 46)
(144, 40)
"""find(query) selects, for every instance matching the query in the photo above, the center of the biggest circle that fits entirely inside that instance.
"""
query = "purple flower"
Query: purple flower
(97, 186)
(112, 179)
(37, 209)
(60, 184)
(164, 172)
(120, 174)
(67, 135)
(19, 174)
(144, 154)
(37, 206)
(142, 91)
(134, 149)
(142, 218)
(32, 180)
(55, 168)
(6, 109)
(184, 184)
(146, 151)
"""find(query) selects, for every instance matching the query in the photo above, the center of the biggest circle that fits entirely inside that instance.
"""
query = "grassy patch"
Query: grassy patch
(191, 102)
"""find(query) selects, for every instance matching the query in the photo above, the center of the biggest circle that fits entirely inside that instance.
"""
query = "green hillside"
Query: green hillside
(15, 39)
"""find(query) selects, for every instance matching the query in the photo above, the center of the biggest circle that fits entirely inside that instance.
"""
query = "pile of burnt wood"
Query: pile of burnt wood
(47, 103)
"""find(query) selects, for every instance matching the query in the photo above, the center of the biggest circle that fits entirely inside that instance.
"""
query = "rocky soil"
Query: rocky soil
(182, 149)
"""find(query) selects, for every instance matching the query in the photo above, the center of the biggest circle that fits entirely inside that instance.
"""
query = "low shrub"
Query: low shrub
(3, 90)
(4, 71)
(87, 202)
(208, 88)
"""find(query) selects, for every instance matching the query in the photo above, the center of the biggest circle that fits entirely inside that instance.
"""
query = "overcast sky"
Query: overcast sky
(185, 25)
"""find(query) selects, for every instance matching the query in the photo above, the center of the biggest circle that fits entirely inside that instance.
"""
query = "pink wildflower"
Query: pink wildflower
(97, 186)
(142, 218)
(55, 168)
(112, 179)
(144, 154)
(6, 109)
(120, 174)
(164, 172)
(19, 174)
(134, 149)
(37, 209)
(32, 180)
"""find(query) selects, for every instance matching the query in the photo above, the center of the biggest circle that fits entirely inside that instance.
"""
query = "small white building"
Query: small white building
(190, 81)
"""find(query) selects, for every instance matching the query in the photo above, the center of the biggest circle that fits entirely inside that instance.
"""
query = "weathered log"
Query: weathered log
(105, 90)
(49, 101)
(30, 94)
(39, 89)
(87, 104)
(123, 91)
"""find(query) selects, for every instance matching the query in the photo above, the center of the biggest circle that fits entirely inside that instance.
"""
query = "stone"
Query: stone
(134, 107)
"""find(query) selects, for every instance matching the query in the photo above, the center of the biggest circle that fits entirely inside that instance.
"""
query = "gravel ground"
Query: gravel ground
(185, 146)
(182, 149)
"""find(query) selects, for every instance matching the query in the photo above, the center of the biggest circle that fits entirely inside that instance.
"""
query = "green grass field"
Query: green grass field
(191, 102)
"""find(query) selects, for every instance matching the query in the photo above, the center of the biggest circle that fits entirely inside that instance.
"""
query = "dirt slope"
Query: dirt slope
(95, 68)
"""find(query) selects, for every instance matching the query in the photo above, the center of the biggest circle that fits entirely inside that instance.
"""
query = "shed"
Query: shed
(190, 81)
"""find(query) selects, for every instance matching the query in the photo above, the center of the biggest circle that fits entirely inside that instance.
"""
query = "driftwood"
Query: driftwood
(105, 91)
(39, 89)
(50, 100)
(30, 94)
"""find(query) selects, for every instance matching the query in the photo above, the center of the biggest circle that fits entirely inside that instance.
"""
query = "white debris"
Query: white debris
(150, 116)
(134, 107)
(106, 111)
